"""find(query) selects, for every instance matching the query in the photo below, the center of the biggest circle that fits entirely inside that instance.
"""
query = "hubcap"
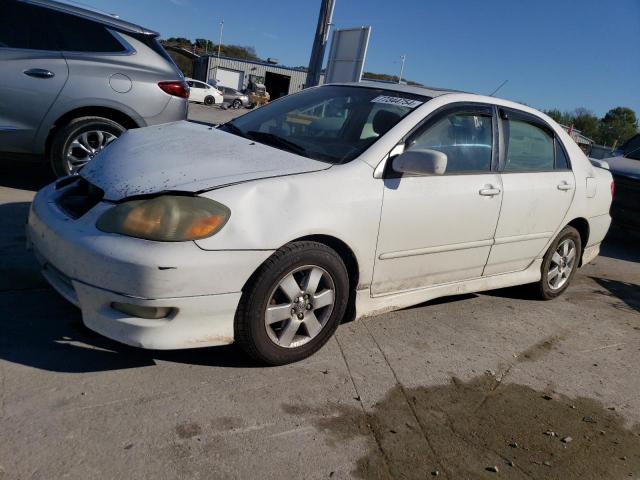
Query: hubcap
(86, 146)
(561, 264)
(299, 306)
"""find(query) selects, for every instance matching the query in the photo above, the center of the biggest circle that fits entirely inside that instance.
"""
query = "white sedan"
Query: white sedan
(203, 93)
(341, 200)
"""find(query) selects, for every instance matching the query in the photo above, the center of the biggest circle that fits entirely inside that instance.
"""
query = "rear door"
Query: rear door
(538, 189)
(32, 73)
(439, 228)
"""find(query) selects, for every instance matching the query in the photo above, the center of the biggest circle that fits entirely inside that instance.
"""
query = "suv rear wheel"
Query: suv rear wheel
(79, 141)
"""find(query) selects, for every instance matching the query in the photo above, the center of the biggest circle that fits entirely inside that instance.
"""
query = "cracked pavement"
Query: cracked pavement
(443, 387)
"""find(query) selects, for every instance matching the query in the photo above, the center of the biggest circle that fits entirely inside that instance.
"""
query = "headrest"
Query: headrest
(384, 120)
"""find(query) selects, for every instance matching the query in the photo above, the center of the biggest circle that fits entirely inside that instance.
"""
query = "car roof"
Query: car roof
(95, 15)
(400, 87)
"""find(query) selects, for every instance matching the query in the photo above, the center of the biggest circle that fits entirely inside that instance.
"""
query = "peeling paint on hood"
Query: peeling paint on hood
(188, 157)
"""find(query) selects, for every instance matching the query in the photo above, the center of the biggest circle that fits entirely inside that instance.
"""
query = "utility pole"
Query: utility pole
(320, 42)
(219, 45)
(402, 60)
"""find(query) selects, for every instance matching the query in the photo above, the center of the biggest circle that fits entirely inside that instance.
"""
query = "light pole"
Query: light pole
(402, 59)
(320, 42)
(219, 45)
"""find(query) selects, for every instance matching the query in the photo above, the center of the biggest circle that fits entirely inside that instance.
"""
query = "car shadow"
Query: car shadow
(628, 293)
(41, 330)
(24, 174)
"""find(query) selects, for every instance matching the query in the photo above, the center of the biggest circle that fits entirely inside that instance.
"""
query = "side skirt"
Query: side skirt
(368, 306)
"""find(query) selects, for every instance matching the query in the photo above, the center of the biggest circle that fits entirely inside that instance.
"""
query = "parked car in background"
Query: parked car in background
(203, 93)
(625, 169)
(234, 98)
(267, 230)
(73, 80)
(600, 152)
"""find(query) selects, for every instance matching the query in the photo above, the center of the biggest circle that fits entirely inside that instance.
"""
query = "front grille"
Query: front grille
(80, 198)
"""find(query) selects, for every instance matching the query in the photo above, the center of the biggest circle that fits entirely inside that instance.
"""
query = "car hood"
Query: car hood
(184, 156)
(624, 166)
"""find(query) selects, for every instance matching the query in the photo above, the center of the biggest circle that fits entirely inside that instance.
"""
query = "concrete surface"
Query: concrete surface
(454, 387)
(213, 115)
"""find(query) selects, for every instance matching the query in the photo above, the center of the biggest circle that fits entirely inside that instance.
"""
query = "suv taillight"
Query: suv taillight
(613, 189)
(177, 89)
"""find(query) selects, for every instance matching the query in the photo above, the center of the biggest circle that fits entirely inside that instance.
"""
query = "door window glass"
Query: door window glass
(529, 147)
(466, 139)
(20, 28)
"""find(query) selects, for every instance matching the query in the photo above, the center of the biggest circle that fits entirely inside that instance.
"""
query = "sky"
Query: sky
(554, 53)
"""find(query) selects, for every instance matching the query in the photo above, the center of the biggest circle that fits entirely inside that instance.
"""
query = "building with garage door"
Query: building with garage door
(239, 73)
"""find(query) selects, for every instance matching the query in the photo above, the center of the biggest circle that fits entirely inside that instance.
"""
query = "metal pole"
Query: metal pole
(219, 45)
(320, 42)
(402, 58)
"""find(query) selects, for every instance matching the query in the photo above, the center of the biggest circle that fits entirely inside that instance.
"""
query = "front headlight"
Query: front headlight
(167, 218)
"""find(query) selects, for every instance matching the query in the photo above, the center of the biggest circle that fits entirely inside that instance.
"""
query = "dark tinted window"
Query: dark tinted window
(529, 147)
(635, 155)
(466, 138)
(20, 27)
(76, 34)
(561, 158)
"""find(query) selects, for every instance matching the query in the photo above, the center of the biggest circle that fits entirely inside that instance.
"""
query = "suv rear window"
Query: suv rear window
(76, 34)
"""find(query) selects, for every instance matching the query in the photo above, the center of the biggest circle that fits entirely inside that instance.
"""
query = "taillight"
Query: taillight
(177, 89)
(613, 189)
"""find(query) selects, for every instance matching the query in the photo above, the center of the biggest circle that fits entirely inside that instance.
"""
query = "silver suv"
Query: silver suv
(72, 80)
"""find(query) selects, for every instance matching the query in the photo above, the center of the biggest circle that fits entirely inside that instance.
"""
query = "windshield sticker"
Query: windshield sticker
(399, 101)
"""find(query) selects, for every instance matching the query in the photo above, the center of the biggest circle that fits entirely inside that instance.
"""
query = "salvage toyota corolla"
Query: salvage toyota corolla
(341, 200)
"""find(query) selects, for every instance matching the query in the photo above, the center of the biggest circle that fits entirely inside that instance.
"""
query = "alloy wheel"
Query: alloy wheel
(562, 263)
(299, 306)
(85, 146)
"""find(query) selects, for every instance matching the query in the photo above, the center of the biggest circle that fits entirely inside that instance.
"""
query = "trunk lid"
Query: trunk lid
(187, 157)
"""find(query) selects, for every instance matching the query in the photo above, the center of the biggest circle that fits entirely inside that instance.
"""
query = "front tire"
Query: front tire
(559, 264)
(293, 304)
(236, 104)
(77, 142)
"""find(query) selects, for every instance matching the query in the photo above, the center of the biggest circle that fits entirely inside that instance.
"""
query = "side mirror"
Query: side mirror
(421, 162)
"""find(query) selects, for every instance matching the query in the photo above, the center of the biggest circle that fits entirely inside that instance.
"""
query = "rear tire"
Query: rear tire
(276, 324)
(64, 137)
(209, 100)
(559, 264)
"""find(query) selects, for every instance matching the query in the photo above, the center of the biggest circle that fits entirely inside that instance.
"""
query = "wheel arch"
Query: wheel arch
(582, 226)
(345, 252)
(94, 111)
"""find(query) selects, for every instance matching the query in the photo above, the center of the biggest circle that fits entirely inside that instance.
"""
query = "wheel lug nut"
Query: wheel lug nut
(293, 311)
(301, 316)
(309, 307)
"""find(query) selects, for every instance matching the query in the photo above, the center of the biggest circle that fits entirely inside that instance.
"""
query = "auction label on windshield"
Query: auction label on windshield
(399, 101)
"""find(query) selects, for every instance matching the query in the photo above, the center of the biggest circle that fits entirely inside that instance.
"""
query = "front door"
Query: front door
(33, 73)
(439, 229)
(538, 186)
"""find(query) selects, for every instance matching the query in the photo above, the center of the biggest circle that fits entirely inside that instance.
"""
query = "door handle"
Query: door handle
(565, 186)
(489, 191)
(39, 73)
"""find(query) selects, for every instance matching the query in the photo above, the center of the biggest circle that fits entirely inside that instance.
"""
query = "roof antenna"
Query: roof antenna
(499, 87)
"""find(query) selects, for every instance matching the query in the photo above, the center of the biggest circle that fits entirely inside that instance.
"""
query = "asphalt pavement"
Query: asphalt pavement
(491, 385)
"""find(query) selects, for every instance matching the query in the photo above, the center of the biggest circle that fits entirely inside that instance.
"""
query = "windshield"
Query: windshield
(333, 123)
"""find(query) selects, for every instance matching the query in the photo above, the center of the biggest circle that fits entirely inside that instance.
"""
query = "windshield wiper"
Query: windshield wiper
(276, 141)
(231, 128)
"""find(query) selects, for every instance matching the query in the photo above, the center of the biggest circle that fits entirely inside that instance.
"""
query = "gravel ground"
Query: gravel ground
(459, 387)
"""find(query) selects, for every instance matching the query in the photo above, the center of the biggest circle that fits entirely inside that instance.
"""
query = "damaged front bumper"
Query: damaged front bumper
(96, 271)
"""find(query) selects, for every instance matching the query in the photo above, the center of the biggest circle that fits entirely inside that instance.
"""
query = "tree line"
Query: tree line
(616, 127)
